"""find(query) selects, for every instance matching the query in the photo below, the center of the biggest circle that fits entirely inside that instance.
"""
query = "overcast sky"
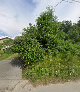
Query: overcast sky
(17, 14)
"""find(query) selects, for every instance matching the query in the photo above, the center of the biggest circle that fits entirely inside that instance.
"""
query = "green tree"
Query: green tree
(49, 37)
(28, 47)
(47, 27)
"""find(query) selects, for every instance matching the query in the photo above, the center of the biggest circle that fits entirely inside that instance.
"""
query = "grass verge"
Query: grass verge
(6, 56)
(53, 70)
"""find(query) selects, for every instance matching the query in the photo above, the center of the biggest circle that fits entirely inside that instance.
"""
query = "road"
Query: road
(11, 81)
(9, 72)
(9, 76)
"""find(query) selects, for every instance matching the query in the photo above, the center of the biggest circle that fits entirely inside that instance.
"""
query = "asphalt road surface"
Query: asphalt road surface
(11, 81)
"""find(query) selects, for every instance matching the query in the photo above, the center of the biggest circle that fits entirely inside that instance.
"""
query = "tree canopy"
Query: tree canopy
(49, 37)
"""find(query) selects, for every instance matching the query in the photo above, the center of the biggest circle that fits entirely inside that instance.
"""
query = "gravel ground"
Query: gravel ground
(11, 81)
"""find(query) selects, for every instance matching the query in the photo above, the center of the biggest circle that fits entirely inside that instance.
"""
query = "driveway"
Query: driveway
(11, 81)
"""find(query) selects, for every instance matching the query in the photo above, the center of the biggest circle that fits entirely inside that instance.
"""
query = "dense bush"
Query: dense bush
(48, 37)
(28, 47)
(55, 43)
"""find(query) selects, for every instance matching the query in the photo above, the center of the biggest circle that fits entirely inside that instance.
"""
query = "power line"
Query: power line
(58, 3)
(71, 1)
(76, 1)
(65, 1)
(68, 1)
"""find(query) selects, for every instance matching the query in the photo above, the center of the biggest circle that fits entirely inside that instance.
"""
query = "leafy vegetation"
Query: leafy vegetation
(6, 56)
(5, 50)
(55, 70)
(50, 49)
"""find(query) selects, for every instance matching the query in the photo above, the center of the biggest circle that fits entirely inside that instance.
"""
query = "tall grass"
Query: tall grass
(6, 55)
(53, 70)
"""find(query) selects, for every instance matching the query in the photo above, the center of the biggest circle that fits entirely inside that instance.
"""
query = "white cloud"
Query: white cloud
(74, 13)
(64, 10)
(69, 11)
(14, 19)
(9, 24)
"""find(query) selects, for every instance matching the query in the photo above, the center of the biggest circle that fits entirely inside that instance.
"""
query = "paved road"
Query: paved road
(11, 81)
(9, 71)
(9, 76)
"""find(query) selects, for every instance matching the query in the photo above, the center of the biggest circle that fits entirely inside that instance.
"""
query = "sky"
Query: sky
(17, 14)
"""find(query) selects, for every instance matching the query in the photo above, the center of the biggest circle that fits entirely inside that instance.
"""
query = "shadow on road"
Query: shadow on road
(17, 63)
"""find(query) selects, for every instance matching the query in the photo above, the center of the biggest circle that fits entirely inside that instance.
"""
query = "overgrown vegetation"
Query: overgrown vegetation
(50, 49)
(5, 50)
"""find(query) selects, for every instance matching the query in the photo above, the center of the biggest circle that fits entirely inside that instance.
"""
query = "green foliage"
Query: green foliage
(8, 41)
(28, 47)
(55, 43)
(5, 48)
(32, 52)
(1, 46)
(56, 70)
(6, 55)
(47, 27)
(66, 26)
